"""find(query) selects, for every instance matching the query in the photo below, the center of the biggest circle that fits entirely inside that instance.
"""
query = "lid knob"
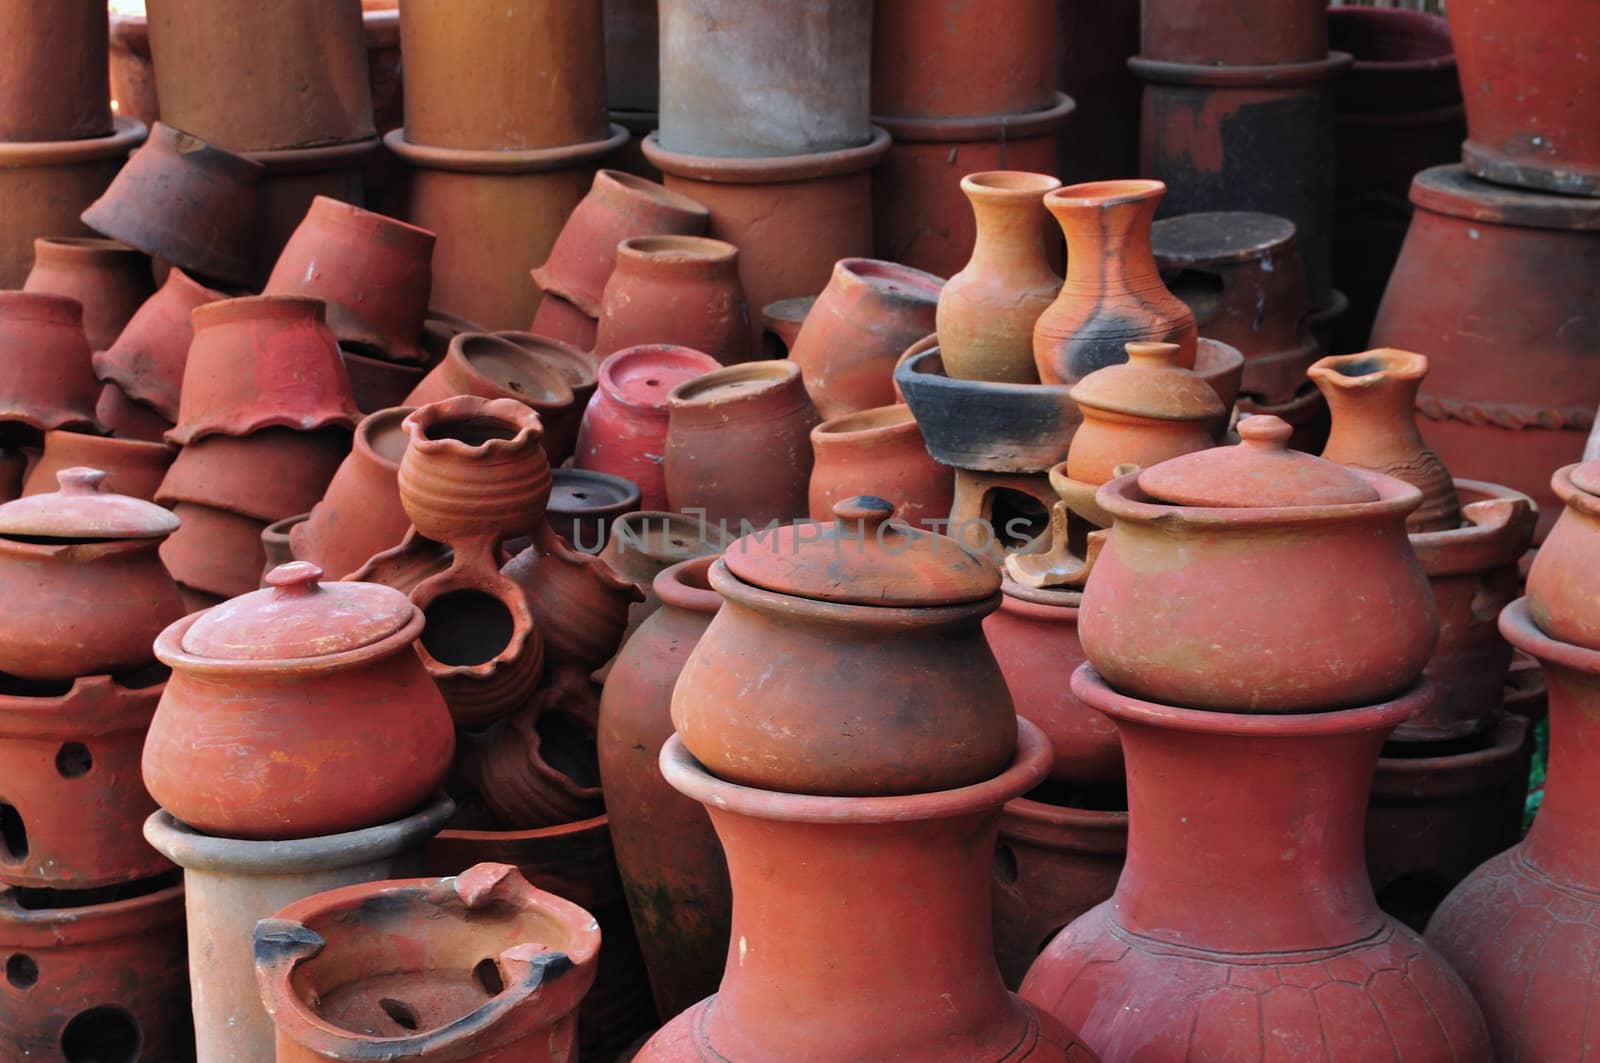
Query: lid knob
(869, 511)
(1153, 353)
(80, 480)
(294, 578)
(1265, 432)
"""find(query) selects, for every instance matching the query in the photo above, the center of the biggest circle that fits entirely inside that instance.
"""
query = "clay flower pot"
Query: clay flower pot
(862, 322)
(724, 426)
(262, 362)
(294, 179)
(215, 555)
(682, 290)
(269, 474)
(1142, 412)
(312, 679)
(1295, 911)
(88, 589)
(578, 602)
(133, 467)
(878, 452)
(373, 272)
(1113, 293)
(618, 207)
(56, 58)
(186, 201)
(1329, 538)
(987, 311)
(496, 367)
(923, 65)
(1251, 33)
(47, 381)
(110, 281)
(360, 513)
(1561, 586)
(536, 767)
(624, 430)
(580, 370)
(584, 504)
(146, 360)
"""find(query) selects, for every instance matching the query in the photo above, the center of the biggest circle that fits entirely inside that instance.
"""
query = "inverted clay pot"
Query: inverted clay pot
(56, 62)
(267, 475)
(47, 381)
(682, 290)
(230, 884)
(497, 367)
(558, 320)
(583, 505)
(878, 452)
(133, 74)
(1236, 33)
(360, 513)
(133, 467)
(146, 359)
(923, 65)
(294, 179)
(215, 554)
(579, 602)
(110, 280)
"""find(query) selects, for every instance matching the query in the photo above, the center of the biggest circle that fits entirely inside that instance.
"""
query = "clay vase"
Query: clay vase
(804, 986)
(738, 449)
(1238, 33)
(1113, 293)
(1526, 919)
(987, 311)
(297, 711)
(682, 290)
(146, 360)
(878, 452)
(133, 467)
(923, 65)
(1562, 588)
(1371, 397)
(56, 61)
(865, 318)
(1205, 905)
(477, 966)
(579, 603)
(1142, 412)
(624, 430)
(110, 281)
(496, 367)
(360, 513)
(46, 379)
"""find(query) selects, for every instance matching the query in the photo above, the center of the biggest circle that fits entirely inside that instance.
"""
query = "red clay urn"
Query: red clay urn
(1564, 582)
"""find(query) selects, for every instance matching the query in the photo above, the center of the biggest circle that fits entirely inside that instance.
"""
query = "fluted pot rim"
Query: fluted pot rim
(1126, 502)
(1371, 369)
(128, 134)
(523, 421)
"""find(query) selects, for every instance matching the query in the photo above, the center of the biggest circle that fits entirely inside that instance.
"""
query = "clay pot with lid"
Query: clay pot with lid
(878, 452)
(1113, 293)
(1258, 523)
(1142, 412)
(146, 360)
(360, 513)
(898, 609)
(133, 467)
(682, 290)
(1562, 585)
(109, 279)
(497, 367)
(46, 381)
(56, 61)
(297, 711)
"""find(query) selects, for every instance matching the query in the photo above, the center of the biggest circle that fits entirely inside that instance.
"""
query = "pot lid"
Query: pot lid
(863, 558)
(1151, 384)
(82, 510)
(296, 616)
(1585, 477)
(1261, 472)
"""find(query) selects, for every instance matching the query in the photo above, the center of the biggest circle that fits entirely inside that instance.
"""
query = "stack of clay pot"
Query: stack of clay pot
(47, 383)
(505, 120)
(91, 918)
(1502, 252)
(953, 110)
(1238, 114)
(60, 144)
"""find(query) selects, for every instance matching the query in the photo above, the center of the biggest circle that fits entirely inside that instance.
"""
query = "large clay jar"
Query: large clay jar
(682, 290)
(1113, 293)
(878, 452)
(360, 512)
(624, 430)
(1255, 523)
(987, 311)
(896, 980)
(86, 589)
(865, 318)
(738, 449)
(1562, 586)
(1235, 33)
(147, 358)
(132, 466)
(924, 65)
(46, 380)
(900, 611)
(110, 280)
(476, 966)
(1277, 918)
(667, 852)
(1142, 412)
(297, 711)
(56, 60)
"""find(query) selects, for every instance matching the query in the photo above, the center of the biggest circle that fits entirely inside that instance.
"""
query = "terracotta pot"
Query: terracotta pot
(878, 452)
(1507, 422)
(473, 469)
(734, 84)
(801, 988)
(132, 466)
(624, 429)
(1255, 515)
(186, 201)
(240, 688)
(780, 324)
(738, 448)
(618, 207)
(88, 591)
(1529, 139)
(633, 69)
(1240, 274)
(73, 799)
(215, 554)
(584, 504)
(55, 64)
(646, 543)
(1206, 130)
(536, 768)
(440, 328)
(1113, 294)
(791, 217)
(579, 603)
(496, 367)
(1097, 37)
(376, 384)
(1234, 34)
(133, 74)
(1525, 918)
(373, 272)
(267, 361)
(147, 358)
(987, 311)
(682, 290)
(359, 969)
(294, 179)
(95, 973)
(560, 321)
(127, 419)
(861, 323)
(360, 513)
(580, 369)
(231, 884)
(266, 475)
(896, 608)
(1295, 904)
(920, 218)
(47, 381)
(275, 543)
(1560, 585)
(110, 281)
(923, 65)
(1143, 412)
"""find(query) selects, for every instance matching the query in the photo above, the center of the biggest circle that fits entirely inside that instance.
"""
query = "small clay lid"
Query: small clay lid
(864, 559)
(1150, 384)
(297, 617)
(80, 510)
(1261, 472)
(1585, 477)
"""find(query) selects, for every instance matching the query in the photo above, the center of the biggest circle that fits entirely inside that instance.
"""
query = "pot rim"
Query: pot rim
(81, 551)
(1450, 190)
(1497, 528)
(41, 928)
(980, 128)
(586, 373)
(1518, 627)
(346, 154)
(45, 307)
(677, 355)
(527, 427)
(773, 378)
(255, 307)
(150, 447)
(77, 248)
(1037, 823)
(1252, 76)
(670, 587)
(491, 161)
(1455, 773)
(1388, 363)
(1570, 494)
(890, 281)
(389, 416)
(1395, 500)
(561, 395)
(126, 134)
(1017, 186)
(1040, 603)
(577, 826)
(92, 706)
(889, 619)
(878, 426)
(170, 652)
(653, 190)
(676, 250)
(766, 169)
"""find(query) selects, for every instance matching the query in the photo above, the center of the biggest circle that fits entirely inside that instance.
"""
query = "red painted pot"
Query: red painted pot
(497, 367)
(360, 512)
(682, 290)
(110, 281)
(47, 380)
(133, 467)
(1235, 33)
(56, 58)
(878, 452)
(924, 65)
(146, 361)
